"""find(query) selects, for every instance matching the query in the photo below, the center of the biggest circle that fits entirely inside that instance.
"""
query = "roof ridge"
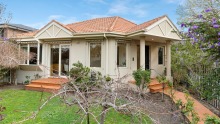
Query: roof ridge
(155, 19)
(113, 23)
(127, 20)
(90, 20)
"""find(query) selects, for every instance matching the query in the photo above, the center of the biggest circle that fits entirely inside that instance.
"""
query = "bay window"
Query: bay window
(32, 51)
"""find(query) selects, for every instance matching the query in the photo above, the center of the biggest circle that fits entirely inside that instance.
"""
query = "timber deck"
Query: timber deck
(46, 84)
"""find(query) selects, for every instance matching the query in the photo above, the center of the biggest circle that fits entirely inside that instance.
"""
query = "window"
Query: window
(25, 48)
(95, 54)
(121, 55)
(33, 54)
(161, 55)
(32, 50)
(2, 33)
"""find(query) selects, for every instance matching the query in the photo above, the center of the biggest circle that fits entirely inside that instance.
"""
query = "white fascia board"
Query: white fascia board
(148, 34)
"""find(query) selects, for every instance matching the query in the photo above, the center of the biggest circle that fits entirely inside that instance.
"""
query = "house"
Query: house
(113, 46)
(8, 30)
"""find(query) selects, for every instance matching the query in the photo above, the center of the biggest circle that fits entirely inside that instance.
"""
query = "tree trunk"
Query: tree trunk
(103, 114)
(13, 76)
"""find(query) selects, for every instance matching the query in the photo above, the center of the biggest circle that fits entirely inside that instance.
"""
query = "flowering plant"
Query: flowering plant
(204, 30)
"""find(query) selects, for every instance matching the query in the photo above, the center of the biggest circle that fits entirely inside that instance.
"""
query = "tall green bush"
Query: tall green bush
(142, 78)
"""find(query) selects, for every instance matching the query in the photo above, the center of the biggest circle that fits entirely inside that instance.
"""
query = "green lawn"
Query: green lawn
(20, 104)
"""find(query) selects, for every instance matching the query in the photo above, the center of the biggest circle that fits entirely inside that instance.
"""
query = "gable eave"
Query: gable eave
(159, 22)
(42, 30)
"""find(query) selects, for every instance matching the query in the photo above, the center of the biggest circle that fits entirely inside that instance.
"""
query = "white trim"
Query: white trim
(126, 54)
(162, 30)
(165, 19)
(52, 24)
(57, 33)
(48, 33)
(90, 56)
(60, 57)
(38, 53)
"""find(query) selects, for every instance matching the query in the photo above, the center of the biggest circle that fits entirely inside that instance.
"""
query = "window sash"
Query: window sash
(95, 54)
(31, 49)
(161, 55)
(121, 55)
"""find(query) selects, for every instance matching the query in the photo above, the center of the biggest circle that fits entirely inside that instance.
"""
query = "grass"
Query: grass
(20, 104)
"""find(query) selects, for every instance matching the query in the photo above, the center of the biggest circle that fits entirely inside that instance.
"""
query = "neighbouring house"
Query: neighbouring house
(8, 30)
(112, 45)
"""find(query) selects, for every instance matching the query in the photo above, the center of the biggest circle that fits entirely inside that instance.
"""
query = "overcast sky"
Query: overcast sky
(37, 13)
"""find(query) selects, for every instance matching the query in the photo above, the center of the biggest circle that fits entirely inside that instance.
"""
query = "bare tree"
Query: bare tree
(95, 96)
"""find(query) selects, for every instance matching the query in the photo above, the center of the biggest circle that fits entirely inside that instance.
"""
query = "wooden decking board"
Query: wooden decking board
(46, 84)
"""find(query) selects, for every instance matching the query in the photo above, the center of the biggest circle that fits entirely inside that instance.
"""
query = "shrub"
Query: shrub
(142, 77)
(212, 120)
(79, 72)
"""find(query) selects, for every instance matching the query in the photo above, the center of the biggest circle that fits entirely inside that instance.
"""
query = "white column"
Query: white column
(168, 57)
(142, 52)
(112, 57)
(38, 53)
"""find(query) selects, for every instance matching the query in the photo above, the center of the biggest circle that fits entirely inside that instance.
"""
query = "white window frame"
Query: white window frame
(28, 53)
(126, 50)
(89, 64)
(163, 47)
(60, 46)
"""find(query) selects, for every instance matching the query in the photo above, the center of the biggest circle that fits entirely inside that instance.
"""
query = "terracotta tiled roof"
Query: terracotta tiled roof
(145, 24)
(107, 24)
(28, 34)
(98, 25)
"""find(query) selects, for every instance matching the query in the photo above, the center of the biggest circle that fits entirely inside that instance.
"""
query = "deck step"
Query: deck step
(47, 84)
(44, 86)
(159, 90)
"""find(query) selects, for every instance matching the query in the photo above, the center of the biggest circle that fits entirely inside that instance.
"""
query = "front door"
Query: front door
(147, 59)
(59, 60)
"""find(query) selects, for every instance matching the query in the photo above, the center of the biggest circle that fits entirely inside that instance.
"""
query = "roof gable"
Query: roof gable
(163, 28)
(54, 29)
(145, 24)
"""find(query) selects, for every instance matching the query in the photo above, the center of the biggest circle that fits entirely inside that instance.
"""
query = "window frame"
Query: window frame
(126, 55)
(28, 53)
(163, 55)
(90, 54)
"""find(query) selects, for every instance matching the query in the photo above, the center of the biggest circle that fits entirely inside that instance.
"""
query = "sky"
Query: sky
(37, 13)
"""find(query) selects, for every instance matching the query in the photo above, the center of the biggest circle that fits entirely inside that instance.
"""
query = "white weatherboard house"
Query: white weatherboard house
(112, 45)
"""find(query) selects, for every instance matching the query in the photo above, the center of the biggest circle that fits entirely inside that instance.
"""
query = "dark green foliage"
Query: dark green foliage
(210, 85)
(108, 78)
(3, 71)
(188, 108)
(28, 79)
(212, 120)
(79, 72)
(142, 77)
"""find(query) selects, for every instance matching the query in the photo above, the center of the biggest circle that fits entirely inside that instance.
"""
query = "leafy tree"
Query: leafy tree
(11, 56)
(201, 19)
